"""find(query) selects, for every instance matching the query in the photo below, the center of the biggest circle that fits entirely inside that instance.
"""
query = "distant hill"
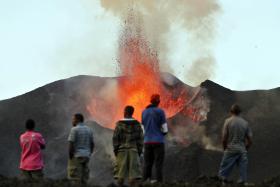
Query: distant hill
(53, 105)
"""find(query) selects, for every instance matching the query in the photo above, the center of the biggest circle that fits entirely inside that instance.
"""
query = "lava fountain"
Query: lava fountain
(139, 68)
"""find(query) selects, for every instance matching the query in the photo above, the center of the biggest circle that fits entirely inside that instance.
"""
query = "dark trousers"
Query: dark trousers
(32, 175)
(153, 153)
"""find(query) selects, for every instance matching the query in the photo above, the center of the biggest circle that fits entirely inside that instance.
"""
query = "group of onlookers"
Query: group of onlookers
(133, 140)
(128, 142)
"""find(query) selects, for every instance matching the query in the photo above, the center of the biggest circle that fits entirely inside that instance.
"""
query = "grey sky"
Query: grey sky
(43, 41)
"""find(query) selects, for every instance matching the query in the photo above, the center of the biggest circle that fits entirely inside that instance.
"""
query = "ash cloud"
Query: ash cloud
(201, 69)
(196, 17)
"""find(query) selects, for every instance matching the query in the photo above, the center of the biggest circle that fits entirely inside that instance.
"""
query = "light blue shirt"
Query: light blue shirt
(82, 138)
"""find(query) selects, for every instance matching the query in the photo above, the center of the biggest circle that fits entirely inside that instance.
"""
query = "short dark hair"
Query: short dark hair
(79, 117)
(235, 109)
(30, 124)
(129, 110)
(155, 99)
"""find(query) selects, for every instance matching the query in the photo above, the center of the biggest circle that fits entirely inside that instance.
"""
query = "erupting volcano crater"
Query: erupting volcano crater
(140, 77)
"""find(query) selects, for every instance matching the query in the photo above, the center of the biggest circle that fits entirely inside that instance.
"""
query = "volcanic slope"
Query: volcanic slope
(53, 105)
(261, 108)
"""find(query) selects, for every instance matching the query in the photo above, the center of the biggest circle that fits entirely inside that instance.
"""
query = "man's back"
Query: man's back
(152, 119)
(82, 137)
(128, 134)
(237, 129)
(31, 157)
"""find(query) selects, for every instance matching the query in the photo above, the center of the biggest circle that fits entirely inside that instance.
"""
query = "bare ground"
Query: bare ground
(199, 182)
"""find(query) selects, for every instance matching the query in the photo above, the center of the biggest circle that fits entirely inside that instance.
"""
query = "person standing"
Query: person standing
(155, 128)
(128, 146)
(31, 161)
(236, 140)
(81, 146)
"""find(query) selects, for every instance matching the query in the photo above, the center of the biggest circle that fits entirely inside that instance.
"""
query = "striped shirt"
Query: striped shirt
(82, 137)
(237, 130)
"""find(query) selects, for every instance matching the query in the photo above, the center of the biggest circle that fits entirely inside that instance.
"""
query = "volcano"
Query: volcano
(193, 147)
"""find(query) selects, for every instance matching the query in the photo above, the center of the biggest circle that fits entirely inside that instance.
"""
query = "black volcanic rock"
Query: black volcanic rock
(53, 105)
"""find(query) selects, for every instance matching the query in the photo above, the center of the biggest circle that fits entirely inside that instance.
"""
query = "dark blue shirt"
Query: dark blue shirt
(152, 119)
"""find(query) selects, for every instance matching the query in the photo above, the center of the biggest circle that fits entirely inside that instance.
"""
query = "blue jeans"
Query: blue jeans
(230, 160)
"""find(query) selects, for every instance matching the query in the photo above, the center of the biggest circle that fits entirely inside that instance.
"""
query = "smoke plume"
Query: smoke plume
(195, 17)
(201, 69)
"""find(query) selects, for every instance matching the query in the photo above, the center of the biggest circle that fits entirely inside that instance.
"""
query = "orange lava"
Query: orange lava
(140, 78)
